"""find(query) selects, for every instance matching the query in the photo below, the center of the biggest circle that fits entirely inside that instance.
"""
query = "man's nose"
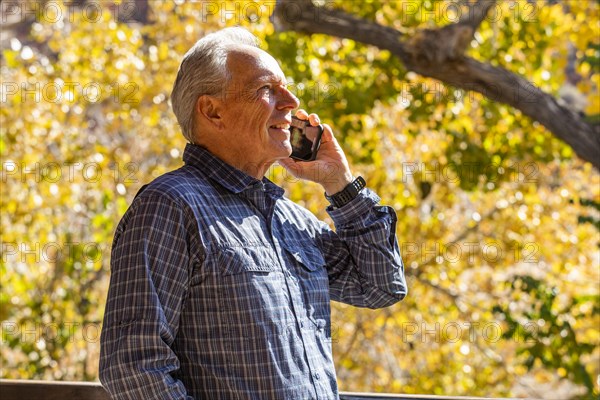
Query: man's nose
(287, 100)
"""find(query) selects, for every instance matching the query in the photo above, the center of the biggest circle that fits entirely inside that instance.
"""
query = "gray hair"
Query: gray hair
(203, 71)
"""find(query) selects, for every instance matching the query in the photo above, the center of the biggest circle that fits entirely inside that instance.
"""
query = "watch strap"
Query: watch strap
(348, 194)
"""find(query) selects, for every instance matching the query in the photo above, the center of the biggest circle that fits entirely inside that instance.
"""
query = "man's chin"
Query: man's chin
(280, 149)
(286, 149)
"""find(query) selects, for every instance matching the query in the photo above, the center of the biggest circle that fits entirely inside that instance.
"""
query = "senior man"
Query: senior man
(220, 287)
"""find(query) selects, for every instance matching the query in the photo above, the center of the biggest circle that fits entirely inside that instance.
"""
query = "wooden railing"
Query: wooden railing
(61, 390)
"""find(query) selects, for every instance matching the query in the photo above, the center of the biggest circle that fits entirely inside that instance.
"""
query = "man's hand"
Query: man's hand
(330, 169)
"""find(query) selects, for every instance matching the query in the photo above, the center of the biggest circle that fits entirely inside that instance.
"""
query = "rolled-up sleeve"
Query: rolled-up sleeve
(363, 258)
(150, 265)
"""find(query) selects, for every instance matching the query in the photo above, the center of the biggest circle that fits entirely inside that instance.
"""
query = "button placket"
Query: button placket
(305, 332)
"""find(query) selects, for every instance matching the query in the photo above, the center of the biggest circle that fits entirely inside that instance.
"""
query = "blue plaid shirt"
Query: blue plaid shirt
(220, 287)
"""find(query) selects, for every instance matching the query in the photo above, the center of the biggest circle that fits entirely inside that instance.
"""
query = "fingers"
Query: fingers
(301, 113)
(327, 135)
(313, 119)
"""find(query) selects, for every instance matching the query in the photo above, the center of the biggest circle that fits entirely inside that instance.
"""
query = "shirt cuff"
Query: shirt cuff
(356, 208)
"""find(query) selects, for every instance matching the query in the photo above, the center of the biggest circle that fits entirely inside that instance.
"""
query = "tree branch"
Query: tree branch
(506, 87)
(303, 16)
(439, 54)
(477, 11)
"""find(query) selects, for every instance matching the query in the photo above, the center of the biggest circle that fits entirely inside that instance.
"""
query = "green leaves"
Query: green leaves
(547, 334)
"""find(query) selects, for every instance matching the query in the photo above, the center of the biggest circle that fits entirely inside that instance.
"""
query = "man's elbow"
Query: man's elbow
(388, 298)
(397, 289)
(398, 296)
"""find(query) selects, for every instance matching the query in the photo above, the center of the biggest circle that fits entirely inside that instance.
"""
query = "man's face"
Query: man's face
(258, 107)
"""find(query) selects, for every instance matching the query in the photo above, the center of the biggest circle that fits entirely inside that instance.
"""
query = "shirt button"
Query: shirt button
(317, 376)
(301, 325)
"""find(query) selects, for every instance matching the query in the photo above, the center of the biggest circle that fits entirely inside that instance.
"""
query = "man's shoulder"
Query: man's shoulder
(176, 185)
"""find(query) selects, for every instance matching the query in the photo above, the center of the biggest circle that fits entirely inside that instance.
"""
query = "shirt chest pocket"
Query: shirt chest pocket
(313, 280)
(309, 257)
(251, 288)
(250, 259)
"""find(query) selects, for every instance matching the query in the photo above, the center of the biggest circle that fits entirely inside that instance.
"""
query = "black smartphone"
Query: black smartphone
(305, 139)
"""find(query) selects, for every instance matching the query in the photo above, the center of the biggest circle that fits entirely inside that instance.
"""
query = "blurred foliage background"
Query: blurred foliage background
(498, 220)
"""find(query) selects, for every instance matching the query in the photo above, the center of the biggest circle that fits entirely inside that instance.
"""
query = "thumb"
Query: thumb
(327, 135)
(289, 165)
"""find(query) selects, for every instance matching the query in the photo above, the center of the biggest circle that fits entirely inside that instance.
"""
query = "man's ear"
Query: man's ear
(208, 108)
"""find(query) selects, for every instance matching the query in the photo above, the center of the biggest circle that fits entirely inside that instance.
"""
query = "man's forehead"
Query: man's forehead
(268, 76)
(254, 64)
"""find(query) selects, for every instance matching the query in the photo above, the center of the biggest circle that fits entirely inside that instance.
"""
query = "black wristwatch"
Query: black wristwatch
(348, 194)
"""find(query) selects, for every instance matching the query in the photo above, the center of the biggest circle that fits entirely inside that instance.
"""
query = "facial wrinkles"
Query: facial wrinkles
(267, 72)
(251, 108)
(251, 72)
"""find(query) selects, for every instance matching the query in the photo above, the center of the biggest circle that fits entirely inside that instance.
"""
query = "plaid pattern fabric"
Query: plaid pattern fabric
(220, 287)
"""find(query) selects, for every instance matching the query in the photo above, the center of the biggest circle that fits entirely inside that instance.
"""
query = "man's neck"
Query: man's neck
(255, 169)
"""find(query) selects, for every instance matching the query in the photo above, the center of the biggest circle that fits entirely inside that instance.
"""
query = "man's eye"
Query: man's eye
(266, 87)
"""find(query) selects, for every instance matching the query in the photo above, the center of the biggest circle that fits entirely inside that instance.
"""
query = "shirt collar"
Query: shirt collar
(226, 175)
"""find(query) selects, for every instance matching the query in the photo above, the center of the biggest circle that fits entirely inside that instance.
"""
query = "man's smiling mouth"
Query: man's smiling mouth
(281, 126)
